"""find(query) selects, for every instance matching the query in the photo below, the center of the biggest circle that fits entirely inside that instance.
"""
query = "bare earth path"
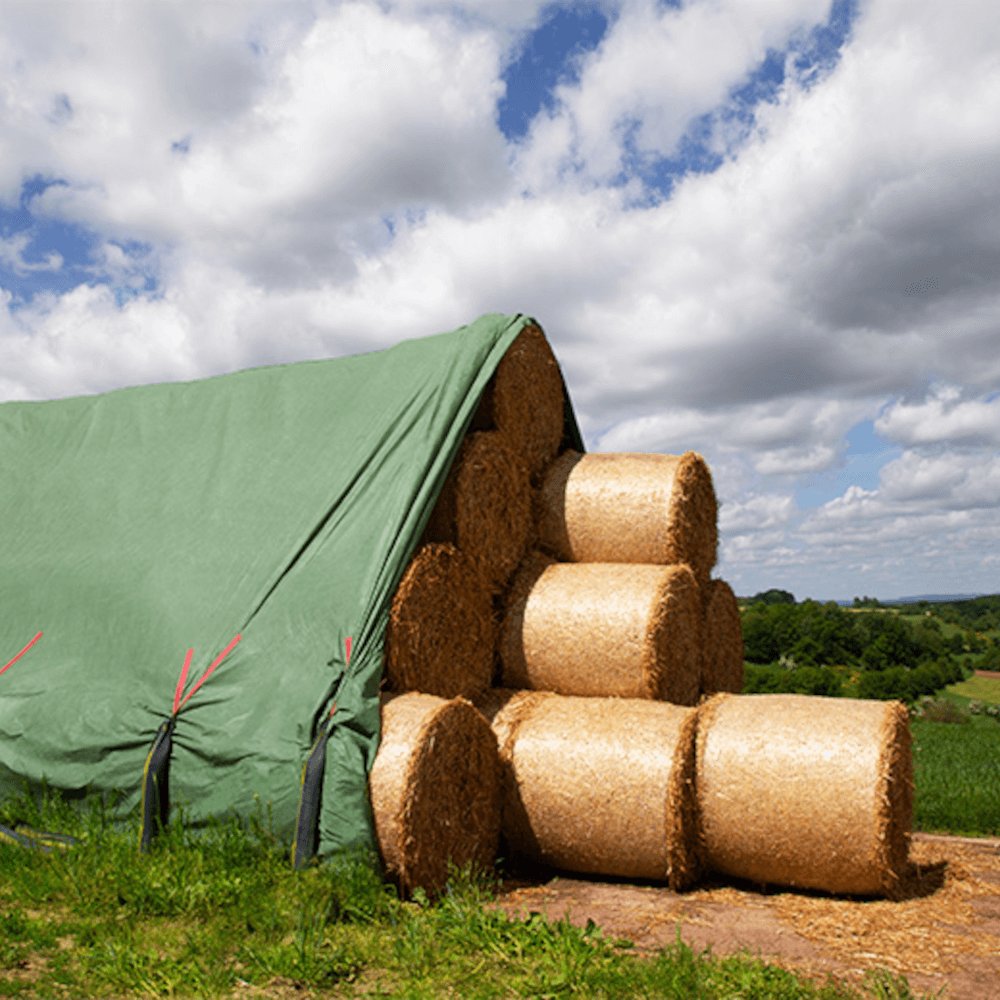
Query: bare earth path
(946, 934)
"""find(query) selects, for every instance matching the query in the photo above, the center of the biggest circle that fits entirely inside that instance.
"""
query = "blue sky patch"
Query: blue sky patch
(547, 59)
(863, 461)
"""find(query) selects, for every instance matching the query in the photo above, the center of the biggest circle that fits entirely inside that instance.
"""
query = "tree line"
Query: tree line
(816, 648)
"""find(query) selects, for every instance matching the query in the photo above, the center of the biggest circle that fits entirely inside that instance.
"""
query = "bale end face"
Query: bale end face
(440, 635)
(435, 789)
(722, 659)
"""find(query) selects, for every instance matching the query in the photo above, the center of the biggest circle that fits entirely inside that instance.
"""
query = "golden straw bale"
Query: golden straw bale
(603, 785)
(809, 792)
(485, 506)
(440, 635)
(435, 789)
(524, 400)
(722, 662)
(626, 508)
(598, 629)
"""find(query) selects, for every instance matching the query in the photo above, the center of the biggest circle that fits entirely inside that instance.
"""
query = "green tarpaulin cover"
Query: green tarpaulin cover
(280, 504)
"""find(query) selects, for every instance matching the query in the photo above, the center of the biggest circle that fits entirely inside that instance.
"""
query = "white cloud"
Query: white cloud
(311, 180)
(942, 417)
(12, 250)
(759, 512)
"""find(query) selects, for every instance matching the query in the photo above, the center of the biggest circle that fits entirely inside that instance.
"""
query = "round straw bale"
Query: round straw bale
(808, 792)
(603, 785)
(598, 629)
(722, 660)
(440, 635)
(625, 508)
(524, 400)
(485, 506)
(435, 789)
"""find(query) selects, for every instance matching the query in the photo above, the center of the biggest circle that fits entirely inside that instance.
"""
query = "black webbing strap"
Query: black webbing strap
(155, 785)
(307, 818)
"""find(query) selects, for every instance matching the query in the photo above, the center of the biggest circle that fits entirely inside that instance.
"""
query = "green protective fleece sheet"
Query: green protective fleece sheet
(280, 504)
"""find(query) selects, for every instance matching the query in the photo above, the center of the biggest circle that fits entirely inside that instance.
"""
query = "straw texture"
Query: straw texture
(625, 508)
(603, 629)
(485, 507)
(524, 400)
(435, 789)
(599, 785)
(808, 792)
(722, 661)
(440, 635)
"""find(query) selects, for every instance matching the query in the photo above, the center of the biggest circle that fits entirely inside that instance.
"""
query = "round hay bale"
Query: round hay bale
(485, 507)
(808, 792)
(625, 508)
(524, 400)
(602, 785)
(603, 629)
(722, 659)
(435, 789)
(440, 635)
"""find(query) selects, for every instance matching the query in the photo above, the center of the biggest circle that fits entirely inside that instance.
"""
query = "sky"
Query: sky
(764, 230)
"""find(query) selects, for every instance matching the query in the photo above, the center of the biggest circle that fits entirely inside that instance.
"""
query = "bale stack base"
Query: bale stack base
(435, 790)
(808, 792)
(602, 785)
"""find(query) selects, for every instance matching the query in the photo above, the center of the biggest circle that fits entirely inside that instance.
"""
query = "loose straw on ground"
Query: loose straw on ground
(524, 400)
(722, 661)
(435, 790)
(440, 635)
(603, 629)
(625, 508)
(808, 792)
(601, 785)
(485, 506)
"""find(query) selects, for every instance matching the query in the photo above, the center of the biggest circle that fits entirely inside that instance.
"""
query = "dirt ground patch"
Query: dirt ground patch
(945, 934)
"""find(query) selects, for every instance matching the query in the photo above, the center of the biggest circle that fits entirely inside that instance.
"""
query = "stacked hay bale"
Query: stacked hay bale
(435, 789)
(809, 792)
(589, 578)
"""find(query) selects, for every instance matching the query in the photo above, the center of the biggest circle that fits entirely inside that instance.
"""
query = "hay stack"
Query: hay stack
(435, 789)
(524, 400)
(440, 635)
(625, 508)
(485, 507)
(722, 662)
(808, 792)
(603, 629)
(599, 784)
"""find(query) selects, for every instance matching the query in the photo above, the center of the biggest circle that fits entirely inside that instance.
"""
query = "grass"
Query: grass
(204, 915)
(983, 688)
(957, 770)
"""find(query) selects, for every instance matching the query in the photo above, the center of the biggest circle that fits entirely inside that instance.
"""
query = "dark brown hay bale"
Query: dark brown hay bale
(722, 661)
(524, 400)
(809, 792)
(485, 506)
(603, 785)
(440, 635)
(625, 508)
(435, 789)
(599, 629)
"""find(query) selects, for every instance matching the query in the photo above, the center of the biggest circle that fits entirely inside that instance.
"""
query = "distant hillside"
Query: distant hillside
(934, 598)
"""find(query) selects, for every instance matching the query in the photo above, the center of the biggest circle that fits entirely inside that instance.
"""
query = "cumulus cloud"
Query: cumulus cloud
(943, 416)
(268, 182)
